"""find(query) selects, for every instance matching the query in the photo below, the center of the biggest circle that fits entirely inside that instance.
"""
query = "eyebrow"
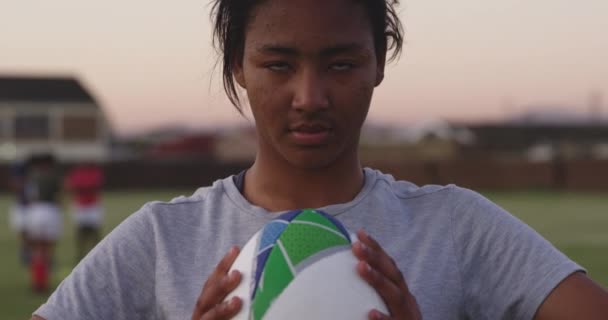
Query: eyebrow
(329, 51)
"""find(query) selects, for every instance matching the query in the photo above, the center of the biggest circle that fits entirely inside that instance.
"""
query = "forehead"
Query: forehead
(308, 24)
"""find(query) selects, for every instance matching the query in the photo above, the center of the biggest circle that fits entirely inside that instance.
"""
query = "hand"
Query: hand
(210, 304)
(378, 269)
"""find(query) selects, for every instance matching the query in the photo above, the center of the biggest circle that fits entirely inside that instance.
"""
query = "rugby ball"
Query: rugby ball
(300, 266)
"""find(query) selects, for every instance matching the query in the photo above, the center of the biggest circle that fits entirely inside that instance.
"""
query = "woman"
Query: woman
(309, 69)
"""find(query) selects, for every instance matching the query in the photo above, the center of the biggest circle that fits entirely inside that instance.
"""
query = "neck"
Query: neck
(281, 187)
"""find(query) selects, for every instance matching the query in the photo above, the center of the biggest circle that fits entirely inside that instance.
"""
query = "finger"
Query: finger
(377, 315)
(218, 285)
(224, 310)
(368, 240)
(390, 293)
(217, 290)
(382, 263)
(222, 268)
(370, 251)
(227, 261)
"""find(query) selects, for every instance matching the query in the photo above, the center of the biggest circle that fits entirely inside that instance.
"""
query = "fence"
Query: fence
(583, 175)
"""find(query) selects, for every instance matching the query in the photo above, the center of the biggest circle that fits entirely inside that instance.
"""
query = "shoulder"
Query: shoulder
(450, 206)
(462, 210)
(406, 190)
(181, 216)
(183, 206)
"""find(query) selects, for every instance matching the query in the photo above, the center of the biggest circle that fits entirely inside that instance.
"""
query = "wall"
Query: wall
(476, 174)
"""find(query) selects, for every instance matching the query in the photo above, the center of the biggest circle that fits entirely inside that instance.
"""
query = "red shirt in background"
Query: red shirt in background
(85, 182)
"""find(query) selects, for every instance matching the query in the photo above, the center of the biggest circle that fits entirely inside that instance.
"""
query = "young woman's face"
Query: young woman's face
(309, 68)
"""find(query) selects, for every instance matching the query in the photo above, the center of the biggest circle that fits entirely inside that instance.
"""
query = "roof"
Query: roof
(42, 89)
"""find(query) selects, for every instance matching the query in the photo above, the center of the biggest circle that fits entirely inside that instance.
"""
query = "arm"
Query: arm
(115, 281)
(530, 268)
(577, 297)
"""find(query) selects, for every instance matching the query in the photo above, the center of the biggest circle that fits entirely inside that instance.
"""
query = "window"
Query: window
(32, 127)
(79, 127)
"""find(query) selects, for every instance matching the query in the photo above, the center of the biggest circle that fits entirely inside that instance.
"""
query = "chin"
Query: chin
(311, 165)
(310, 160)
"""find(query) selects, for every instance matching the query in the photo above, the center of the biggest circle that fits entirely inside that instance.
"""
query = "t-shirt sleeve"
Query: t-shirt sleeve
(507, 268)
(114, 281)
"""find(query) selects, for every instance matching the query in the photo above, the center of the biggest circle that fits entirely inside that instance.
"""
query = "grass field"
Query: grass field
(577, 223)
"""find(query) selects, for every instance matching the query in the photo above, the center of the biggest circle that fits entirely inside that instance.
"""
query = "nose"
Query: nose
(310, 92)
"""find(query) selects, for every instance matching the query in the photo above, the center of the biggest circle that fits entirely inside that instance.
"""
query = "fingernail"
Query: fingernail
(361, 232)
(376, 314)
(233, 302)
(363, 246)
(233, 274)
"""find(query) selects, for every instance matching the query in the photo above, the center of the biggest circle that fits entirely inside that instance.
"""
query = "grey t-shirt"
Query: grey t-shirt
(462, 256)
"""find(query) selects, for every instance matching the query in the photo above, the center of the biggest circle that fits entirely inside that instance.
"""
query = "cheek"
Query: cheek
(262, 91)
(258, 95)
(265, 104)
(356, 100)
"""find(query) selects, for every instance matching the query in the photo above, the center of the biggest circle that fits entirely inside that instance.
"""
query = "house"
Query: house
(51, 114)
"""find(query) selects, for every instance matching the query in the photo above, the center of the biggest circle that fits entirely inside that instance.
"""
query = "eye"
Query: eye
(342, 66)
(278, 66)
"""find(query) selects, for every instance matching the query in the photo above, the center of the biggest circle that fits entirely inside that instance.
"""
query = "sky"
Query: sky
(150, 62)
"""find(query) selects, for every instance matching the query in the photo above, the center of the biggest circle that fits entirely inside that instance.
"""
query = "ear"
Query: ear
(380, 63)
(239, 76)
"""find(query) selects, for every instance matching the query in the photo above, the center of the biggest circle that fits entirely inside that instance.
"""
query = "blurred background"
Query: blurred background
(507, 98)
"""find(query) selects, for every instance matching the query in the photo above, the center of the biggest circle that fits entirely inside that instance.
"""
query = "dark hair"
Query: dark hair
(230, 18)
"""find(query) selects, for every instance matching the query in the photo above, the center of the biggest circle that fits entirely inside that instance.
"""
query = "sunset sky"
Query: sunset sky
(150, 62)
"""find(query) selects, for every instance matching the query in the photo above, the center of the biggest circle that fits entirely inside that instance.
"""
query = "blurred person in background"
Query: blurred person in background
(18, 209)
(44, 220)
(309, 69)
(85, 182)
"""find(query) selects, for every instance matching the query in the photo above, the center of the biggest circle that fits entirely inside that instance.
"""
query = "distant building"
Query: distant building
(190, 146)
(561, 116)
(431, 140)
(539, 142)
(236, 145)
(51, 114)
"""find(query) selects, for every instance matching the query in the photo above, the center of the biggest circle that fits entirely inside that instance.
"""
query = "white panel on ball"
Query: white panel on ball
(330, 288)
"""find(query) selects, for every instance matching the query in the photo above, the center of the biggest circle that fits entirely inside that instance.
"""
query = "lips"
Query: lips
(310, 128)
(310, 134)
